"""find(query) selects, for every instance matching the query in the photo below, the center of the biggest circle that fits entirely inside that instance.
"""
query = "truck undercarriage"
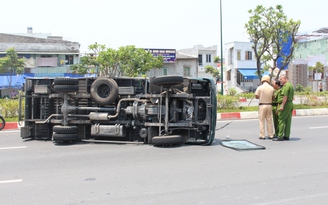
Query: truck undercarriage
(164, 110)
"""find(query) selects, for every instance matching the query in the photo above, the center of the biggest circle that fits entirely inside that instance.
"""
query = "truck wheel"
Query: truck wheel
(154, 89)
(104, 91)
(167, 80)
(66, 88)
(66, 81)
(168, 140)
(152, 132)
(59, 129)
(64, 137)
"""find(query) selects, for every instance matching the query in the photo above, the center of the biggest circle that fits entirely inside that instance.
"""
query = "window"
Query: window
(69, 59)
(200, 59)
(186, 71)
(46, 56)
(248, 55)
(238, 55)
(164, 71)
(208, 58)
(230, 56)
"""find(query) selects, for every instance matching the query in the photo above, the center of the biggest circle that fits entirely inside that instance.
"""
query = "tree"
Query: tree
(214, 71)
(11, 63)
(272, 34)
(317, 68)
(125, 61)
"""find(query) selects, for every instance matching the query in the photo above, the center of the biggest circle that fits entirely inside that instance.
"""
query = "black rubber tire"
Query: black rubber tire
(66, 81)
(167, 80)
(59, 129)
(64, 137)
(168, 140)
(2, 122)
(66, 88)
(152, 132)
(104, 91)
(154, 89)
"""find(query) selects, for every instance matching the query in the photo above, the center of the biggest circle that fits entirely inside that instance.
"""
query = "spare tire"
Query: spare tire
(104, 91)
(168, 140)
(167, 80)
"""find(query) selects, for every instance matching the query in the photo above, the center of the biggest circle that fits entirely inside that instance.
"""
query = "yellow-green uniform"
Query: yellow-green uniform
(275, 106)
(285, 115)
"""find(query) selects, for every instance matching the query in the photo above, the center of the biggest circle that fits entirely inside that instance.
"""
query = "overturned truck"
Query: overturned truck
(165, 110)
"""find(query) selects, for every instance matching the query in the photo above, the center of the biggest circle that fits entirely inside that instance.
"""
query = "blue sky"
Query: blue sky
(173, 24)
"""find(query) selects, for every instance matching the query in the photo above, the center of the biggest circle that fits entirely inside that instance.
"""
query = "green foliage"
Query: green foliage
(318, 67)
(9, 107)
(246, 95)
(125, 61)
(299, 88)
(227, 102)
(11, 63)
(214, 71)
(268, 28)
(232, 91)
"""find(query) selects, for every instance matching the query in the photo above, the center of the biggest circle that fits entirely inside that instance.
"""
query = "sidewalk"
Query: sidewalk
(254, 114)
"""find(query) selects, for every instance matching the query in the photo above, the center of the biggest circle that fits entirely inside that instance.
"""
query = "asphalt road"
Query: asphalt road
(288, 172)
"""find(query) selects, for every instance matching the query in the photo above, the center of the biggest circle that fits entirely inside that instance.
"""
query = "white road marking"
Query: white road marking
(20, 147)
(321, 127)
(11, 181)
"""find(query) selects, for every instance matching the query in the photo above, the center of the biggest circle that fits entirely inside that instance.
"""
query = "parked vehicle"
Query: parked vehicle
(165, 110)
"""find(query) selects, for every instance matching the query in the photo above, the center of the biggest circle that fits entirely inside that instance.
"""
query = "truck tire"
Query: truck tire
(64, 137)
(66, 81)
(168, 140)
(66, 88)
(152, 132)
(104, 91)
(167, 80)
(59, 129)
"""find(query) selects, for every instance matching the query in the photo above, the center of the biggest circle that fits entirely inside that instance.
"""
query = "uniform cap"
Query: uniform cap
(265, 78)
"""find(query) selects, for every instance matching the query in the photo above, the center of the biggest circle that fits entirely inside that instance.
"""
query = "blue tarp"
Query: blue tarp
(250, 73)
(12, 81)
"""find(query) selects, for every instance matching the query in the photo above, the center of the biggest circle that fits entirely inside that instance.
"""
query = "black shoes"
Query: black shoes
(278, 139)
(262, 138)
(285, 138)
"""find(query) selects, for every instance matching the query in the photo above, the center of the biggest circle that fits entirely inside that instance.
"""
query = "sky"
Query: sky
(169, 24)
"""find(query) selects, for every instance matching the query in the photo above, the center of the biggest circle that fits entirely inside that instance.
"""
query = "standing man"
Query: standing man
(265, 93)
(320, 87)
(275, 105)
(285, 110)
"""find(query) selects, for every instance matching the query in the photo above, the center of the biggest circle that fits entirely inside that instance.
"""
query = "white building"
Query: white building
(240, 66)
(205, 55)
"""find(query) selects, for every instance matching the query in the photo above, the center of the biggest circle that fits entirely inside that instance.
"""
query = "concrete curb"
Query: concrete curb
(254, 114)
(11, 125)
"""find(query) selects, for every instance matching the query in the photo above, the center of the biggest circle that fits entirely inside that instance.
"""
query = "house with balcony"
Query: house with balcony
(240, 67)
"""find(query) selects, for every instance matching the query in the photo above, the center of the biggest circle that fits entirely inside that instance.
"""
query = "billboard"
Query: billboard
(169, 55)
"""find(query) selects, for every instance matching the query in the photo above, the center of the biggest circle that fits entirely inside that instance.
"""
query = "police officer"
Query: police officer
(265, 95)
(275, 105)
(285, 109)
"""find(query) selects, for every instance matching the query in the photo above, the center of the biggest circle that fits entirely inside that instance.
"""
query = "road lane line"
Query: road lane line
(19, 147)
(11, 181)
(321, 127)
